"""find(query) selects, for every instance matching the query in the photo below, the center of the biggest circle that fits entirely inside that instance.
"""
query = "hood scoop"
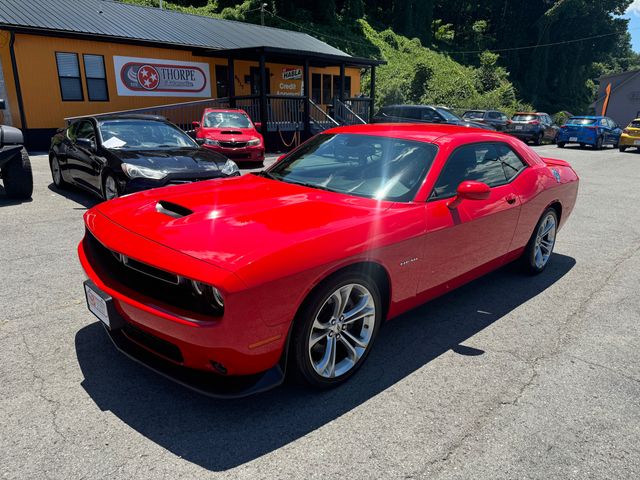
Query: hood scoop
(172, 209)
(231, 132)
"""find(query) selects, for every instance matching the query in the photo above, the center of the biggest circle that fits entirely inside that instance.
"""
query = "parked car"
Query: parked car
(536, 127)
(15, 167)
(496, 119)
(118, 154)
(423, 114)
(231, 133)
(295, 268)
(596, 131)
(630, 136)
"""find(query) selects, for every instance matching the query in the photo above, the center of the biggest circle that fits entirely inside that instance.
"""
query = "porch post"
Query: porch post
(263, 94)
(231, 82)
(342, 82)
(306, 93)
(372, 93)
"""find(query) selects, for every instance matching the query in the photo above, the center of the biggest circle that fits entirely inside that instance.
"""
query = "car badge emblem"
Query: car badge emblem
(556, 174)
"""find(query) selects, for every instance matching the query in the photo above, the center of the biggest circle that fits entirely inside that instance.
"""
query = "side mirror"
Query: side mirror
(281, 157)
(3, 104)
(86, 144)
(200, 141)
(470, 190)
(258, 126)
(196, 125)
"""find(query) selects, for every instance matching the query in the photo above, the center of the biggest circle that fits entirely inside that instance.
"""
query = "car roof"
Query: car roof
(122, 116)
(589, 117)
(223, 110)
(530, 113)
(411, 106)
(422, 132)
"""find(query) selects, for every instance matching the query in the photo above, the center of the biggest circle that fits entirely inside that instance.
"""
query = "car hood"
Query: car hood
(228, 134)
(236, 221)
(172, 161)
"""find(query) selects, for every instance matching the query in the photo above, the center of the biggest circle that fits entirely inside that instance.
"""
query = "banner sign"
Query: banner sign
(291, 73)
(152, 77)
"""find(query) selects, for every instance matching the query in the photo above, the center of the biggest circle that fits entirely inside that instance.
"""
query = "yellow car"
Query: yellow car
(630, 136)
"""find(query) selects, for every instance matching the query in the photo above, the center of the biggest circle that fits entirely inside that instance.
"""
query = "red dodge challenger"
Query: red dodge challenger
(224, 285)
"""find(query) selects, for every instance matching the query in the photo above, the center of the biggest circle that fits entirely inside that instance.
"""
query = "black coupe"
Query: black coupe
(119, 154)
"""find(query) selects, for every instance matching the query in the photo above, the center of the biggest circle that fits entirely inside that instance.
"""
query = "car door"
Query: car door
(476, 234)
(615, 132)
(79, 155)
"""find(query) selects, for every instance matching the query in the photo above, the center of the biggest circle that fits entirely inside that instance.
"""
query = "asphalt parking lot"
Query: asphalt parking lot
(508, 377)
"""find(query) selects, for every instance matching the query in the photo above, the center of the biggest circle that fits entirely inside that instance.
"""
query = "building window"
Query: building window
(316, 88)
(222, 81)
(69, 76)
(96, 76)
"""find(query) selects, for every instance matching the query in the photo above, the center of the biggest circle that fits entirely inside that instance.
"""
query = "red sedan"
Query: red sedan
(224, 284)
(231, 133)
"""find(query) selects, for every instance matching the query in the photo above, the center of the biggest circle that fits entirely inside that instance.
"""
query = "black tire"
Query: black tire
(539, 139)
(303, 326)
(582, 145)
(561, 144)
(56, 176)
(105, 194)
(17, 177)
(528, 258)
(599, 143)
(622, 149)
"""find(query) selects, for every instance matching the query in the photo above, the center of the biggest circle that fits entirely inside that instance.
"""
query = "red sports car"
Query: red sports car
(224, 284)
(231, 133)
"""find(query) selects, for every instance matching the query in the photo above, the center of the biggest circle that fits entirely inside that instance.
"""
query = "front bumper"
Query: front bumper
(244, 154)
(142, 348)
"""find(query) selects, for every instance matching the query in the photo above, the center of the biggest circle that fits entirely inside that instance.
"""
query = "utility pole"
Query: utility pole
(262, 7)
(160, 4)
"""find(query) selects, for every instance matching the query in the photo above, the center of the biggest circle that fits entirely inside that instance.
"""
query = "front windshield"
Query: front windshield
(473, 115)
(581, 121)
(137, 134)
(447, 114)
(226, 120)
(363, 165)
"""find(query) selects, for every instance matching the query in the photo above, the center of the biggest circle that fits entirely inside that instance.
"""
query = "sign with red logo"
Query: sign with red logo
(291, 73)
(161, 78)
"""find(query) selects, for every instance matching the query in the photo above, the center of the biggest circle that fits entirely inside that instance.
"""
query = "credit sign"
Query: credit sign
(152, 77)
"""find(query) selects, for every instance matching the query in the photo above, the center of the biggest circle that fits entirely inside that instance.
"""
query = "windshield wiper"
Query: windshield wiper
(265, 174)
(312, 185)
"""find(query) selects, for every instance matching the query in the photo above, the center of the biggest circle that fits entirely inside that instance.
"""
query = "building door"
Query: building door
(222, 81)
(254, 80)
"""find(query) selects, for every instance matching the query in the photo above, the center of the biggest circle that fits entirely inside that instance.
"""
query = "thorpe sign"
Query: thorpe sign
(152, 77)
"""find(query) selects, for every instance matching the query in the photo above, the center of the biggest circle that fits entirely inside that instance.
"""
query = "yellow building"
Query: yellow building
(61, 59)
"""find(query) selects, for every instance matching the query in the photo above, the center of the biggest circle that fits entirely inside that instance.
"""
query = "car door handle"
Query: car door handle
(511, 199)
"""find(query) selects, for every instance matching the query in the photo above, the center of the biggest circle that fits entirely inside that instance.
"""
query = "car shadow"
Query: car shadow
(77, 195)
(219, 435)
(5, 201)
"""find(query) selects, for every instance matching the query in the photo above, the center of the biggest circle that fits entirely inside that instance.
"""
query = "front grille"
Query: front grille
(164, 288)
(153, 343)
(233, 144)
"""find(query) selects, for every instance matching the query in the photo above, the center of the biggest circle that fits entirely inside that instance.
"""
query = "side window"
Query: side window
(494, 115)
(512, 164)
(427, 115)
(604, 123)
(481, 162)
(503, 117)
(71, 131)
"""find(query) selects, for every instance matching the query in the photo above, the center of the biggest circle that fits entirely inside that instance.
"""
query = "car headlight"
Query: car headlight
(254, 142)
(211, 294)
(214, 143)
(230, 168)
(134, 171)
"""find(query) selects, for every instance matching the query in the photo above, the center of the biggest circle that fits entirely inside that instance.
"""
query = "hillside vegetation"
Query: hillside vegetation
(501, 54)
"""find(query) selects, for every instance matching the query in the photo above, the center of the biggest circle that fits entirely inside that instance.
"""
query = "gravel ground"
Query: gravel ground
(508, 377)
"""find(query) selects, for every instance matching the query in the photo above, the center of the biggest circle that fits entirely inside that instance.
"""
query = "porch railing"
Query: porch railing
(345, 115)
(180, 114)
(319, 119)
(361, 106)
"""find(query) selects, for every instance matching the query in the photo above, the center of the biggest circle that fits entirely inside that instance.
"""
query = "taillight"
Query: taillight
(627, 131)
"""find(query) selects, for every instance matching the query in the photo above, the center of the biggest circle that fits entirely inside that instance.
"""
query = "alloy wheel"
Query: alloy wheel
(55, 171)
(110, 188)
(342, 330)
(545, 240)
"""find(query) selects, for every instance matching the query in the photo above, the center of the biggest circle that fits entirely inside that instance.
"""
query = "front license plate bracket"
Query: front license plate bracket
(101, 305)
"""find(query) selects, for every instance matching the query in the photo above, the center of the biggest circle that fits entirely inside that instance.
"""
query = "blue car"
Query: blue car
(596, 131)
